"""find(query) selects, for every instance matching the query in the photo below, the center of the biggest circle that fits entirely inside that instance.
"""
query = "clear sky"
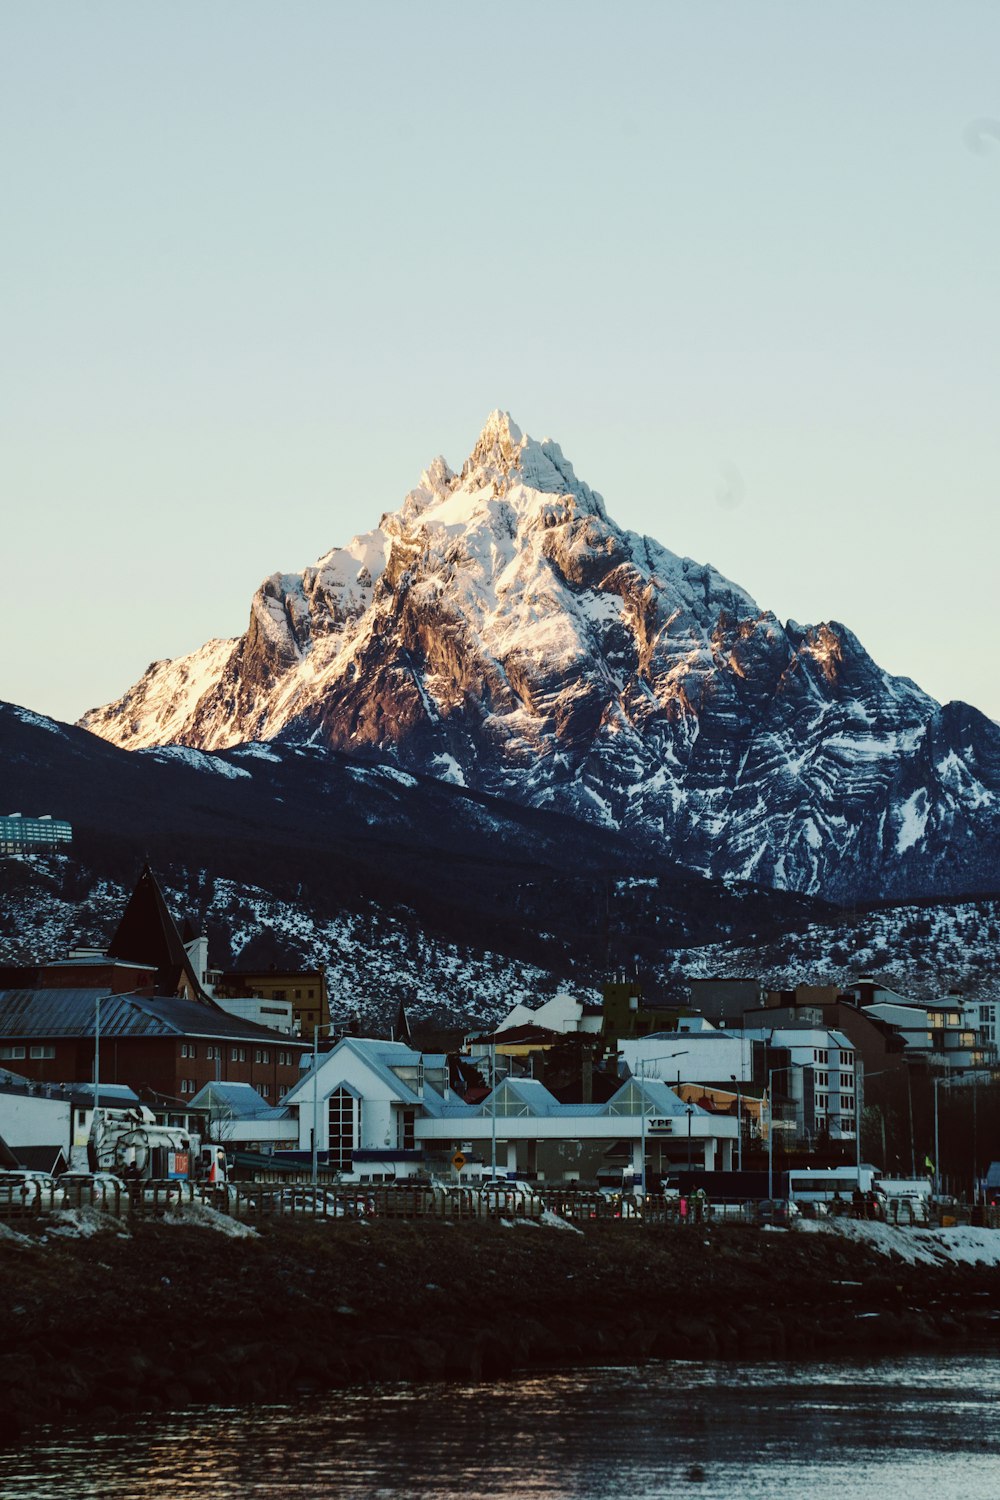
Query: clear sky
(262, 261)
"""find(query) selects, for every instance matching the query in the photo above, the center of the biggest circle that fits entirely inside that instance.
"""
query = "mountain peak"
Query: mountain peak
(498, 448)
(502, 632)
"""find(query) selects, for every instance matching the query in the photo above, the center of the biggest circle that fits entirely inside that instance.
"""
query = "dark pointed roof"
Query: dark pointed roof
(147, 934)
(400, 1029)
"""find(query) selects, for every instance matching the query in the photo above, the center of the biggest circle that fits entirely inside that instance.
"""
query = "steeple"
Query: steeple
(400, 1030)
(147, 934)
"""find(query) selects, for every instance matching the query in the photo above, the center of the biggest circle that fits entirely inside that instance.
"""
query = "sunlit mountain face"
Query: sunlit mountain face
(499, 632)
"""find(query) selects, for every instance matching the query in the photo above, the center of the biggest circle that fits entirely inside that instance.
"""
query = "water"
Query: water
(854, 1430)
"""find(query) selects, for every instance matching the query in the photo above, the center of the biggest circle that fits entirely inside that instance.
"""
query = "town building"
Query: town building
(379, 1110)
(41, 835)
(142, 1002)
(304, 991)
(238, 1117)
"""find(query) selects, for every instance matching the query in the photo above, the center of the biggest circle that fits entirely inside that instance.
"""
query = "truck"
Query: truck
(130, 1143)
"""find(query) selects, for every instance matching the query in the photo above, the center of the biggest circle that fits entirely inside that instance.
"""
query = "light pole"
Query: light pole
(770, 1120)
(320, 1026)
(663, 1057)
(97, 1054)
(937, 1143)
(739, 1124)
(690, 1112)
(125, 995)
(493, 1108)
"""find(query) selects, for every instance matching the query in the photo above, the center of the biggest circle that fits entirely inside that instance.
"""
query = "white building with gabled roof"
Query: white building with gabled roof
(382, 1110)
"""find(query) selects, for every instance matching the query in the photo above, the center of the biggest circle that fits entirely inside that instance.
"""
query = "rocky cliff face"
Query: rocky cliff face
(501, 632)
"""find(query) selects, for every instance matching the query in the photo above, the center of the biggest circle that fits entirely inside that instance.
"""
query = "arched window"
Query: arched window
(344, 1116)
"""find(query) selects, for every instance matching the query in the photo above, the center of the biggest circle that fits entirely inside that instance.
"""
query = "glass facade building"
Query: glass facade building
(19, 834)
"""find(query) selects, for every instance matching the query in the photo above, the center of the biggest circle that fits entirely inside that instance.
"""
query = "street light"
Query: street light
(320, 1026)
(785, 1067)
(97, 1053)
(937, 1149)
(739, 1123)
(123, 995)
(662, 1057)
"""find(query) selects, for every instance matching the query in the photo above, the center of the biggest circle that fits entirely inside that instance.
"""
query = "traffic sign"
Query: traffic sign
(458, 1161)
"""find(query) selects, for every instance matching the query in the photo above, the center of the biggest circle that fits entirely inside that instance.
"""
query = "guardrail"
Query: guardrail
(258, 1202)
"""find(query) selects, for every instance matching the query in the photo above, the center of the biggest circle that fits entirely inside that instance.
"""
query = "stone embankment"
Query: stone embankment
(96, 1328)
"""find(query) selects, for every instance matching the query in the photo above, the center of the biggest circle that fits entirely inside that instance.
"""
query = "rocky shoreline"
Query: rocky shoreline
(102, 1326)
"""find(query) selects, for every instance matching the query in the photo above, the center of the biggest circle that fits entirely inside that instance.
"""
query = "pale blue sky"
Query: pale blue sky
(260, 262)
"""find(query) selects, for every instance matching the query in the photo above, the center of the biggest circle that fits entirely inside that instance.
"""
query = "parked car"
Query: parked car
(24, 1189)
(781, 1211)
(91, 1187)
(499, 1193)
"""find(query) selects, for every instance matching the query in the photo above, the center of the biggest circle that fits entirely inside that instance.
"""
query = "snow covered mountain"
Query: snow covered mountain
(500, 632)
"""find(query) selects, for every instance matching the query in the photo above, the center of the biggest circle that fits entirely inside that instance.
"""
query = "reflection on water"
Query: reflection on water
(854, 1431)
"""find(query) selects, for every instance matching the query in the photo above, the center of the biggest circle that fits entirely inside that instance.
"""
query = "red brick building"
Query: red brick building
(159, 1031)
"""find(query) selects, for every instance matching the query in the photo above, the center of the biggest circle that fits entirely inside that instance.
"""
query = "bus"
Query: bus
(823, 1184)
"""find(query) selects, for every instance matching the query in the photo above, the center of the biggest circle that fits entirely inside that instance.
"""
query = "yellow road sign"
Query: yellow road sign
(458, 1161)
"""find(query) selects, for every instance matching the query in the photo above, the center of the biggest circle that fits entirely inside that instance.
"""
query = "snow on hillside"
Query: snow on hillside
(373, 958)
(924, 950)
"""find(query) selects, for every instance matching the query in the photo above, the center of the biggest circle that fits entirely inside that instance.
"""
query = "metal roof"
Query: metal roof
(72, 1013)
(238, 1101)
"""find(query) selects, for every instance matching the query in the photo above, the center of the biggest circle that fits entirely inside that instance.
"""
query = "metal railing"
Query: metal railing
(258, 1202)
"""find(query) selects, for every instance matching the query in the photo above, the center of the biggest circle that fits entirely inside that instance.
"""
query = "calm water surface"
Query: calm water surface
(911, 1427)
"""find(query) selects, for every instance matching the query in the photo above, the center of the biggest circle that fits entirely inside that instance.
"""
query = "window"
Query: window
(234, 1054)
(311, 995)
(214, 1054)
(408, 1132)
(258, 1055)
(41, 1051)
(188, 1049)
(343, 1116)
(9, 1053)
(265, 1056)
(81, 1117)
(298, 994)
(265, 1089)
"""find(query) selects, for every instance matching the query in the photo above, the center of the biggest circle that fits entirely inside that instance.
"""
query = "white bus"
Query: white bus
(823, 1184)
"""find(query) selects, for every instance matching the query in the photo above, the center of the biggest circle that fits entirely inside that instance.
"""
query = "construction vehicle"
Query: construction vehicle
(130, 1143)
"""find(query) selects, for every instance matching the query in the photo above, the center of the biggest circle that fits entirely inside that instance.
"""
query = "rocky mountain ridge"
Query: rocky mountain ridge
(409, 888)
(501, 632)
